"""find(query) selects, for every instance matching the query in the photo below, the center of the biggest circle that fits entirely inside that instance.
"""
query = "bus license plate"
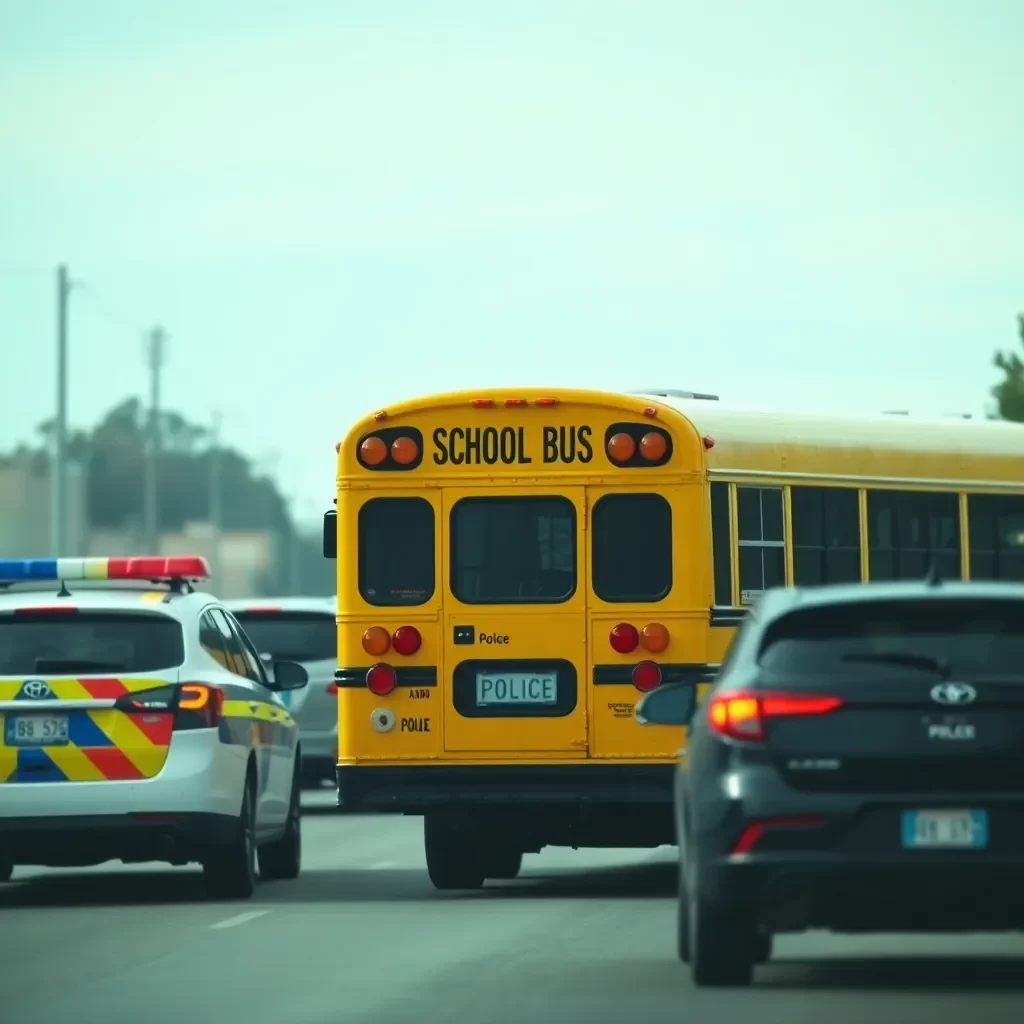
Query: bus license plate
(36, 730)
(945, 830)
(505, 688)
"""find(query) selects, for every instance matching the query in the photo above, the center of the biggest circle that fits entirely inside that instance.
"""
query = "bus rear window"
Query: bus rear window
(396, 551)
(85, 643)
(632, 547)
(513, 550)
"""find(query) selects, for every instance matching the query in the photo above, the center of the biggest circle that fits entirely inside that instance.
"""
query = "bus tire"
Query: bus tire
(504, 863)
(454, 859)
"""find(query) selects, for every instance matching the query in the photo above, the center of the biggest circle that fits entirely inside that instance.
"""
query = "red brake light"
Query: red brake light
(50, 609)
(623, 638)
(741, 714)
(482, 403)
(406, 640)
(752, 833)
(380, 679)
(646, 676)
(331, 688)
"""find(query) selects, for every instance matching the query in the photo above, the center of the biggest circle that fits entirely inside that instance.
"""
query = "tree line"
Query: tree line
(112, 455)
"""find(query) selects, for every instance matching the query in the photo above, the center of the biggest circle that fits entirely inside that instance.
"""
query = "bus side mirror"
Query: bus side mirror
(670, 704)
(331, 534)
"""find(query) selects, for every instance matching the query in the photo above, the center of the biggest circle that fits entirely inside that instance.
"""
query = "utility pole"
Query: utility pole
(58, 465)
(155, 351)
(215, 495)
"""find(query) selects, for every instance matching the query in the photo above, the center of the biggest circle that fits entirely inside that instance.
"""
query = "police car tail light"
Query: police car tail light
(741, 715)
(646, 676)
(623, 638)
(200, 706)
(407, 640)
(376, 641)
(381, 679)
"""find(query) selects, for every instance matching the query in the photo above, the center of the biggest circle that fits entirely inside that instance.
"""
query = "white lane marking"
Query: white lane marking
(382, 865)
(249, 915)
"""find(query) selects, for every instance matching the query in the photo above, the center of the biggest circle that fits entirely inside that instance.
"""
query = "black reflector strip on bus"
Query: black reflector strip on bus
(720, 616)
(680, 672)
(419, 675)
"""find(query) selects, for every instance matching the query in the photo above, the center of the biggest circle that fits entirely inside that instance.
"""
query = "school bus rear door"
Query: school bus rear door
(515, 621)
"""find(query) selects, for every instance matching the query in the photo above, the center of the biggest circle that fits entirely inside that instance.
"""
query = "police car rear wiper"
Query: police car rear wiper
(50, 666)
(921, 661)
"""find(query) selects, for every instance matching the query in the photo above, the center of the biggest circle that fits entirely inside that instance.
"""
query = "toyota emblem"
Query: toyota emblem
(953, 694)
(35, 689)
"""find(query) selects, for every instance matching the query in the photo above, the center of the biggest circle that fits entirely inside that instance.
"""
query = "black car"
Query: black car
(858, 766)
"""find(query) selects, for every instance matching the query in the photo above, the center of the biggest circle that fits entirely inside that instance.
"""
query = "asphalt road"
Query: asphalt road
(362, 937)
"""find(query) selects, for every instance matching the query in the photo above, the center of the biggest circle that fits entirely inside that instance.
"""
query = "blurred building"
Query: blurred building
(25, 507)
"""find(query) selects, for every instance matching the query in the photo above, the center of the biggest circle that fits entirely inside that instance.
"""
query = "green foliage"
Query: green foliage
(1009, 392)
(114, 455)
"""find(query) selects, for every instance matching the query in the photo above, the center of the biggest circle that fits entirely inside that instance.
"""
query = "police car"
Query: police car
(139, 724)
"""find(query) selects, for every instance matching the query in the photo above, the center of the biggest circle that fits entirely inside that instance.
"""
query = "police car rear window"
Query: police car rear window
(88, 642)
(945, 636)
(291, 636)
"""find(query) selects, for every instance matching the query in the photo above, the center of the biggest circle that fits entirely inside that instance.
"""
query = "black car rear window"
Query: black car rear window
(45, 643)
(982, 637)
(291, 636)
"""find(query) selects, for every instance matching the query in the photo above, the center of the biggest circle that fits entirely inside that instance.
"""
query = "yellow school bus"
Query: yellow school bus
(516, 568)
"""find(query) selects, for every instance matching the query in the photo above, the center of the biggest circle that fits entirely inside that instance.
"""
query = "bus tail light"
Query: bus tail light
(373, 451)
(376, 641)
(406, 640)
(621, 447)
(741, 715)
(547, 401)
(623, 638)
(653, 446)
(654, 637)
(380, 679)
(646, 676)
(404, 450)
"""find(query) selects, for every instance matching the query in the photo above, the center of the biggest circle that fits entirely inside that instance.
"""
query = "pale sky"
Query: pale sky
(333, 205)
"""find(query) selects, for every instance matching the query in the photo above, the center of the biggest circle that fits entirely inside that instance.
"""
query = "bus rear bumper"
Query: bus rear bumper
(584, 804)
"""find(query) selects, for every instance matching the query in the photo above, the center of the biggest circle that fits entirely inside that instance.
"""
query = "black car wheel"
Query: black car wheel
(722, 944)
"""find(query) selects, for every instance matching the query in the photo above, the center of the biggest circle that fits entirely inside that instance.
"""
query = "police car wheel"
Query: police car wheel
(504, 863)
(6, 870)
(721, 945)
(454, 857)
(230, 872)
(282, 859)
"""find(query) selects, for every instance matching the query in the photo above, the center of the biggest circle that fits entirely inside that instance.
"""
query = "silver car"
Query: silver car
(302, 629)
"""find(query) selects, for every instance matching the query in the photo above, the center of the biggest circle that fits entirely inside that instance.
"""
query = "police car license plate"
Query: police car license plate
(963, 830)
(36, 730)
(494, 688)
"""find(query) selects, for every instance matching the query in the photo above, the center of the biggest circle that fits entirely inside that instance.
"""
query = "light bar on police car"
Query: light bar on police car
(146, 567)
